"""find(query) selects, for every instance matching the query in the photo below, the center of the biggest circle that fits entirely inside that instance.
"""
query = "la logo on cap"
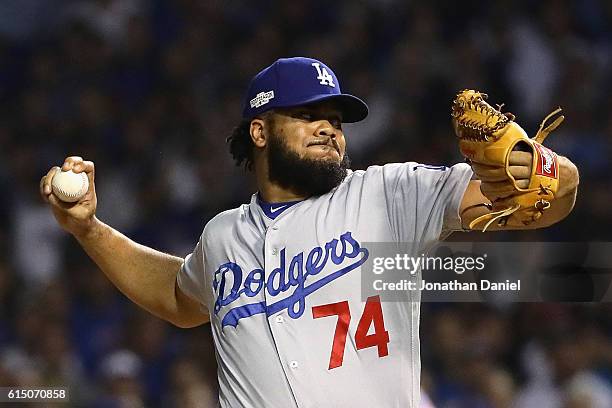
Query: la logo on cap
(324, 77)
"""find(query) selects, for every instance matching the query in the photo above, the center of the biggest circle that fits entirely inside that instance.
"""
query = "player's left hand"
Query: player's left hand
(495, 181)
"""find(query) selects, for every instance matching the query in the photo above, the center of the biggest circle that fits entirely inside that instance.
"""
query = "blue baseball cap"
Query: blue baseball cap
(299, 81)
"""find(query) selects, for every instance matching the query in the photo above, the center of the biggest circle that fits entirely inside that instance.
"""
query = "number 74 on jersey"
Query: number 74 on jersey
(372, 315)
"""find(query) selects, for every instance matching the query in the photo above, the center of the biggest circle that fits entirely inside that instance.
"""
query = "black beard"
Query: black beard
(303, 176)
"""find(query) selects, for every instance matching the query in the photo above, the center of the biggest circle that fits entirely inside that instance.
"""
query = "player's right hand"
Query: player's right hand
(76, 218)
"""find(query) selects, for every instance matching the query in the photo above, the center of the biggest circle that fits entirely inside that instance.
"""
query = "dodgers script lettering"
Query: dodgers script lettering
(288, 277)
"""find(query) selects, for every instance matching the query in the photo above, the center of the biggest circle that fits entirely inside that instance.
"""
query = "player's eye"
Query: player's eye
(337, 123)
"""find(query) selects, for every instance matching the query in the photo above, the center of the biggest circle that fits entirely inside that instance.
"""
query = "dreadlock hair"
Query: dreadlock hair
(241, 145)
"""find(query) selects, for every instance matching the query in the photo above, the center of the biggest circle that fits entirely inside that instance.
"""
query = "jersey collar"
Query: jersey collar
(273, 210)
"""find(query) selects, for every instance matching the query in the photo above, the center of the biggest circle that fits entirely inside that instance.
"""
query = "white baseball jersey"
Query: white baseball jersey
(290, 326)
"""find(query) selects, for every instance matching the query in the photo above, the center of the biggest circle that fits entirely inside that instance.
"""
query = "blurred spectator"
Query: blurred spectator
(568, 377)
(109, 18)
(189, 387)
(120, 374)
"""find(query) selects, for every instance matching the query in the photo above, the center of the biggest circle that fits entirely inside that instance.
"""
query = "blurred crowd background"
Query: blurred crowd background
(149, 90)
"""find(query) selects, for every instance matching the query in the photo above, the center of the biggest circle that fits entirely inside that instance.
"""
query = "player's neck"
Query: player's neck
(273, 193)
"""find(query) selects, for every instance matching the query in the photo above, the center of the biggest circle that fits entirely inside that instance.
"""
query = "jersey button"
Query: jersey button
(274, 251)
(275, 228)
(279, 319)
(294, 364)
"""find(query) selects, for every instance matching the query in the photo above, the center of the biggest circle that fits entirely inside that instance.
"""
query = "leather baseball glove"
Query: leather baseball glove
(486, 138)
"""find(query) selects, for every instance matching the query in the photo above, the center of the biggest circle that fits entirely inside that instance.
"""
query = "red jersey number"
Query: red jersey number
(372, 315)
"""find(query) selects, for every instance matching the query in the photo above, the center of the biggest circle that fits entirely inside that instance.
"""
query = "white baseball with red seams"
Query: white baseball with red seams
(69, 186)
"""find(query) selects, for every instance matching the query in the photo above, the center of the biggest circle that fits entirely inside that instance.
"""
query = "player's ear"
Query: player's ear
(257, 132)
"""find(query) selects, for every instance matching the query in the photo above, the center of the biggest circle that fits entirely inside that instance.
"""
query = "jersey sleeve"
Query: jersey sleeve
(423, 201)
(191, 276)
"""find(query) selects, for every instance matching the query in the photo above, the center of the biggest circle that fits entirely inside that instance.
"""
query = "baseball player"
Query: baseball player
(279, 277)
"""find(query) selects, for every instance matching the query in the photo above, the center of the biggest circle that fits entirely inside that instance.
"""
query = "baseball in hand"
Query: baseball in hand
(70, 187)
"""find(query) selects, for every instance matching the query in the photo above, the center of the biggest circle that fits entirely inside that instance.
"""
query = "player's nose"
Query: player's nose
(325, 129)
